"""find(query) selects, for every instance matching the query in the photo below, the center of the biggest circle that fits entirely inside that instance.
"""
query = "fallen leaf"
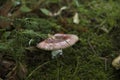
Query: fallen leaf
(76, 18)
(46, 12)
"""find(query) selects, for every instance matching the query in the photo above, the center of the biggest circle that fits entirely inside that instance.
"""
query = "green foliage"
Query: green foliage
(24, 8)
(45, 11)
(41, 25)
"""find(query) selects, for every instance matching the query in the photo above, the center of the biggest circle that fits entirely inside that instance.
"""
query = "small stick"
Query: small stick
(92, 47)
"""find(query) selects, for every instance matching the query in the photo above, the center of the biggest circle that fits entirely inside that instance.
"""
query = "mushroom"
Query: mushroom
(116, 63)
(58, 42)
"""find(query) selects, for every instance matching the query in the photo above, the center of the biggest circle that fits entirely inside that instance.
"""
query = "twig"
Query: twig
(77, 67)
(91, 47)
(36, 70)
(105, 59)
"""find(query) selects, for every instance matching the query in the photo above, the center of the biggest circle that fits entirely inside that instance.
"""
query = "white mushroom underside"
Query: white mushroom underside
(59, 45)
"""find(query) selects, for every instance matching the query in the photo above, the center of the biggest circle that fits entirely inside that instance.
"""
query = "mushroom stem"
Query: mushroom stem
(56, 52)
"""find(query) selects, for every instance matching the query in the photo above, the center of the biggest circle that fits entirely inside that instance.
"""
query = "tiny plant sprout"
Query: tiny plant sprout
(57, 42)
(116, 63)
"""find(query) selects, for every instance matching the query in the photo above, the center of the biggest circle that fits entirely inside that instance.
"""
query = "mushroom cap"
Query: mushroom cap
(58, 41)
(116, 62)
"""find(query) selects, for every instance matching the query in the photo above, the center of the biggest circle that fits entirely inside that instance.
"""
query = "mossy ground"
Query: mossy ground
(89, 59)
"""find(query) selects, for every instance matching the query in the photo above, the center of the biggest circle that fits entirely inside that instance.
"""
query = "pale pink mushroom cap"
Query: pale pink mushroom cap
(58, 41)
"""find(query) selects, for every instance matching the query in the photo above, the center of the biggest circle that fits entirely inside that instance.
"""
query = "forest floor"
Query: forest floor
(23, 24)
